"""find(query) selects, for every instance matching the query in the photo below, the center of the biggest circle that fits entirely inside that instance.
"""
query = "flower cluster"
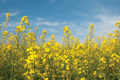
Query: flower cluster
(21, 57)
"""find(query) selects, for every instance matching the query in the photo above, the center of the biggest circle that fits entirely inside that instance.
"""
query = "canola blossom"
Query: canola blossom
(22, 58)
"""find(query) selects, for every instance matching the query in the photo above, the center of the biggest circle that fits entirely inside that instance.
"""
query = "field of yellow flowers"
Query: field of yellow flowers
(22, 58)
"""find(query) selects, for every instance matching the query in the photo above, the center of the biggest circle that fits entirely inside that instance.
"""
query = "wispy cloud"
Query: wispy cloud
(103, 19)
(80, 33)
(52, 1)
(79, 29)
(106, 24)
(39, 18)
(3, 1)
(63, 23)
(59, 14)
(103, 25)
(14, 13)
(47, 23)
(11, 14)
(52, 30)
(73, 25)
(58, 38)
(67, 23)
(12, 24)
(11, 29)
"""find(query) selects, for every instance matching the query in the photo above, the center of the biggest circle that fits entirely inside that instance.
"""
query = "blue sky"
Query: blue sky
(53, 15)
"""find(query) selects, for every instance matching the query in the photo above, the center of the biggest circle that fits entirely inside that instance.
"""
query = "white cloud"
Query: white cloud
(70, 22)
(104, 21)
(63, 23)
(11, 29)
(11, 14)
(73, 25)
(52, 1)
(80, 29)
(58, 38)
(59, 14)
(39, 18)
(106, 24)
(12, 24)
(46, 23)
(14, 13)
(3, 1)
(44, 28)
(67, 22)
(79, 33)
(103, 25)
(52, 30)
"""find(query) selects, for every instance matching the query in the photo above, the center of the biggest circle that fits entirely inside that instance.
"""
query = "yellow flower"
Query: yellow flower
(65, 28)
(36, 28)
(31, 71)
(29, 78)
(45, 78)
(44, 31)
(47, 49)
(11, 34)
(79, 72)
(23, 28)
(50, 55)
(71, 37)
(80, 69)
(23, 18)
(26, 19)
(116, 25)
(42, 36)
(63, 38)
(94, 73)
(26, 22)
(5, 33)
(82, 79)
(19, 27)
(8, 14)
(21, 23)
(52, 36)
(92, 25)
(29, 29)
(67, 67)
(100, 76)
(110, 34)
(89, 26)
(28, 61)
(29, 49)
(118, 22)
(102, 59)
(0, 25)
(116, 30)
(113, 55)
